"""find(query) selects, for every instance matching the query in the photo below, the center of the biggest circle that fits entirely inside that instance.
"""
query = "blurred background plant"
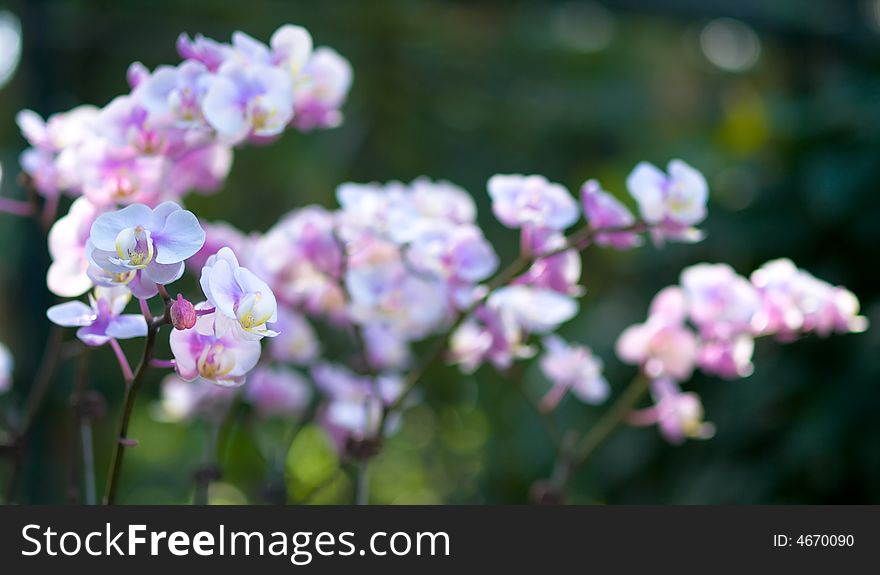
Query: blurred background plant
(776, 103)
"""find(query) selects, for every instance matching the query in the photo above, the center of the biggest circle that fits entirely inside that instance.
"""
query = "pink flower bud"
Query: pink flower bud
(183, 314)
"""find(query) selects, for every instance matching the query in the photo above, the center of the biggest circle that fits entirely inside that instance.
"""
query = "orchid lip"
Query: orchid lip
(213, 363)
(248, 312)
(134, 246)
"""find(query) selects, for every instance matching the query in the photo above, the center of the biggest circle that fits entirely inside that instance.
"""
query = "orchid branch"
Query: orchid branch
(42, 382)
(16, 207)
(575, 454)
(123, 361)
(86, 407)
(131, 392)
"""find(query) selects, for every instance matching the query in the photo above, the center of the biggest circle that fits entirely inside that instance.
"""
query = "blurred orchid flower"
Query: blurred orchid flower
(101, 320)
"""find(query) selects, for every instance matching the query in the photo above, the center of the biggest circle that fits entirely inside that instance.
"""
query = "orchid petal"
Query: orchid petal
(127, 327)
(108, 225)
(71, 314)
(163, 273)
(180, 238)
(223, 109)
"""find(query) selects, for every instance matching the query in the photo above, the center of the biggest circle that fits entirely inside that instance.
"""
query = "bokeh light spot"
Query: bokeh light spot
(730, 44)
(10, 46)
(583, 26)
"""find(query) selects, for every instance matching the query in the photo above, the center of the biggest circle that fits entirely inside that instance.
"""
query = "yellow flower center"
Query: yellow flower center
(213, 363)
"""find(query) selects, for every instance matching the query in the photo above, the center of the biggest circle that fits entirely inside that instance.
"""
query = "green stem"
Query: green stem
(81, 428)
(131, 392)
(88, 455)
(601, 431)
(48, 365)
(362, 482)
(42, 382)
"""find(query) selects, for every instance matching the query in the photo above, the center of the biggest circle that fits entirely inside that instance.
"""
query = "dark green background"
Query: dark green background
(463, 90)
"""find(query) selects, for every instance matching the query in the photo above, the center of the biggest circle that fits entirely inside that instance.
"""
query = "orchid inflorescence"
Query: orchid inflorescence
(394, 265)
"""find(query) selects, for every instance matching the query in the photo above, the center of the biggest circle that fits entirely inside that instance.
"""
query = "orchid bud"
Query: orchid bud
(183, 314)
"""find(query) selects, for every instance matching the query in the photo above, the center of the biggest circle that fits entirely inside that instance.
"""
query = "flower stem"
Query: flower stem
(362, 482)
(90, 483)
(612, 418)
(601, 431)
(88, 456)
(131, 392)
(48, 364)
(50, 210)
(145, 309)
(83, 411)
(123, 362)
(17, 447)
(16, 207)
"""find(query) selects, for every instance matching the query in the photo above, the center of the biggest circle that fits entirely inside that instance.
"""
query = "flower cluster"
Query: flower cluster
(397, 263)
(175, 131)
(710, 322)
(393, 265)
(223, 343)
(543, 297)
(137, 250)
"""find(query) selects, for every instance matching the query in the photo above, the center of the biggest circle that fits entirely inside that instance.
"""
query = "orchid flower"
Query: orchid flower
(149, 243)
(68, 236)
(664, 346)
(245, 303)
(297, 342)
(248, 100)
(355, 402)
(221, 359)
(182, 400)
(531, 201)
(277, 392)
(321, 90)
(101, 320)
(575, 368)
(175, 93)
(671, 203)
(679, 415)
(604, 211)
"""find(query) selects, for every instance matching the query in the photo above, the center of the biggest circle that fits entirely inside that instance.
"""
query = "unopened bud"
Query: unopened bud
(183, 314)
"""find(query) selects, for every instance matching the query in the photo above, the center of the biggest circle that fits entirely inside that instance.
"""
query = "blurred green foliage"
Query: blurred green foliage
(460, 91)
